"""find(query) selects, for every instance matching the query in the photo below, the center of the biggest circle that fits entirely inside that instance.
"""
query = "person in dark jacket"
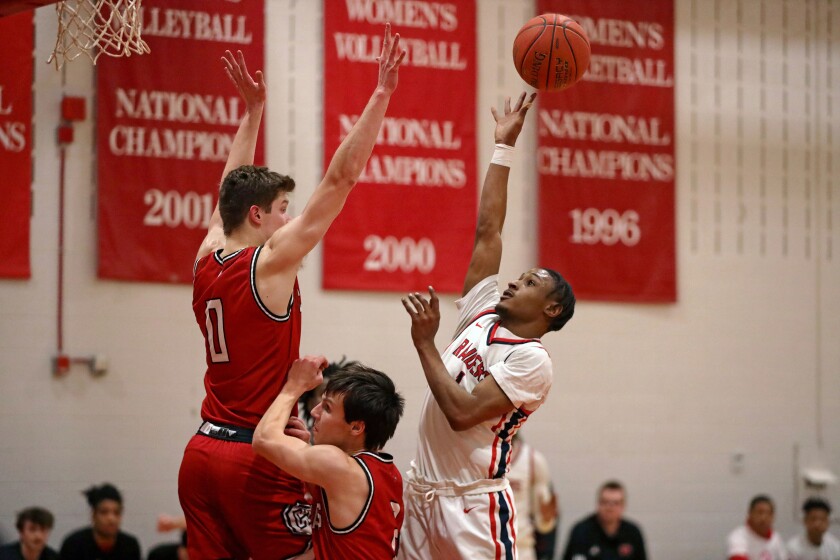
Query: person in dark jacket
(103, 540)
(606, 535)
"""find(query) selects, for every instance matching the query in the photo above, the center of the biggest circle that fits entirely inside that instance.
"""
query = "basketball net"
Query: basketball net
(96, 27)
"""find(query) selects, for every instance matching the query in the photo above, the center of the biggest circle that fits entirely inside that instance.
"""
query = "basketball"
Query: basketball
(551, 52)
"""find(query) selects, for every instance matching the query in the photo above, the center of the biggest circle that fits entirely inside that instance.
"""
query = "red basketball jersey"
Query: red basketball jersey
(249, 348)
(375, 534)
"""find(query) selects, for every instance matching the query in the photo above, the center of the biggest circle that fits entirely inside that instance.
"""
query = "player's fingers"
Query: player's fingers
(420, 302)
(386, 42)
(395, 48)
(230, 75)
(260, 79)
(507, 105)
(519, 101)
(495, 113)
(228, 62)
(434, 300)
(242, 65)
(409, 307)
(528, 105)
(418, 307)
(400, 58)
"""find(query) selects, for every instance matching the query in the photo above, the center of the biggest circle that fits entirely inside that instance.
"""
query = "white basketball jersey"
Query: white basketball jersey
(800, 548)
(522, 369)
(744, 542)
(530, 482)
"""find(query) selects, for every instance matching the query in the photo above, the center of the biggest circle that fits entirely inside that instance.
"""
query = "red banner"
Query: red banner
(409, 222)
(606, 156)
(165, 124)
(16, 43)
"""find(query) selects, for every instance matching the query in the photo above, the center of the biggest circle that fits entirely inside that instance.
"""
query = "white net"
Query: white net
(96, 27)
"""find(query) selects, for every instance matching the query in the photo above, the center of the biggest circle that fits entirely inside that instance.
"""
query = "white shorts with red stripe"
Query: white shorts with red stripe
(447, 523)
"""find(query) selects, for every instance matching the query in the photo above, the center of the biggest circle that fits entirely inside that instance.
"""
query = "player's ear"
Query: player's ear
(255, 215)
(357, 427)
(552, 309)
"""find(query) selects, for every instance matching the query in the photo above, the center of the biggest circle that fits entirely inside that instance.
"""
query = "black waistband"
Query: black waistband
(226, 432)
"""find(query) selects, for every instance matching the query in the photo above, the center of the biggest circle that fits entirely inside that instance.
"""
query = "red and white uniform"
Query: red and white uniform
(800, 548)
(530, 482)
(458, 503)
(249, 348)
(375, 533)
(238, 504)
(745, 544)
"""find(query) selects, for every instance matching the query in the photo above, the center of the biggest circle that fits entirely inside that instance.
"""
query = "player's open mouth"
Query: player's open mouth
(507, 294)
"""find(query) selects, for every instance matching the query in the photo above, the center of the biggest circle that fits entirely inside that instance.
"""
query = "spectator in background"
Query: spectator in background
(310, 399)
(816, 543)
(34, 525)
(606, 535)
(536, 504)
(171, 551)
(756, 540)
(103, 540)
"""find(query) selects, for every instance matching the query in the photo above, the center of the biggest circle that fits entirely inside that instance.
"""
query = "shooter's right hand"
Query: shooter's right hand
(509, 125)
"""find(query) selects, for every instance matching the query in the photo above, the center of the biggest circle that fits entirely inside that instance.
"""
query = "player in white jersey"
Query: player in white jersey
(483, 387)
(816, 543)
(756, 540)
(536, 503)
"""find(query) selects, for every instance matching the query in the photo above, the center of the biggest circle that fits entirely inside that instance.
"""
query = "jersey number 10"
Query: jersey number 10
(215, 323)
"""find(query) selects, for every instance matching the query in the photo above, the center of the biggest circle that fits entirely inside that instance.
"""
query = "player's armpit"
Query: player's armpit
(214, 239)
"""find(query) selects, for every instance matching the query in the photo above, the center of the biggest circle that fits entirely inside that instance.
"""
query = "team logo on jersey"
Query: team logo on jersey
(472, 360)
(625, 550)
(296, 518)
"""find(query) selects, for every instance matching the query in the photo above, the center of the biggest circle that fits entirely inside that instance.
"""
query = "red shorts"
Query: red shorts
(238, 504)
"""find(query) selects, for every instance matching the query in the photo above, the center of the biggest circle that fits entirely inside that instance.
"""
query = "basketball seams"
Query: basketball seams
(551, 51)
(531, 46)
(585, 40)
(530, 50)
(571, 50)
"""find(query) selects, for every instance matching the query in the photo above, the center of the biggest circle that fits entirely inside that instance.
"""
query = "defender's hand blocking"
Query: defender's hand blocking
(305, 374)
(296, 428)
(425, 316)
(389, 60)
(252, 91)
(509, 126)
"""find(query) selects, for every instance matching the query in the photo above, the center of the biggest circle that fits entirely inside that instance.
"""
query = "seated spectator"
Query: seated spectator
(816, 543)
(606, 535)
(756, 540)
(103, 540)
(171, 551)
(34, 525)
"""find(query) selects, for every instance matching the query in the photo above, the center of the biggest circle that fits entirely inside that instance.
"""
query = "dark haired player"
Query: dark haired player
(247, 304)
(356, 490)
(483, 387)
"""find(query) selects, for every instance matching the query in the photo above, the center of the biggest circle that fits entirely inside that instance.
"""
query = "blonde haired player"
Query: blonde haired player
(483, 387)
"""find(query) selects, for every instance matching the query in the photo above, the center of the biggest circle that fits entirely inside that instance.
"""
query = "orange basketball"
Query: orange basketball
(551, 52)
